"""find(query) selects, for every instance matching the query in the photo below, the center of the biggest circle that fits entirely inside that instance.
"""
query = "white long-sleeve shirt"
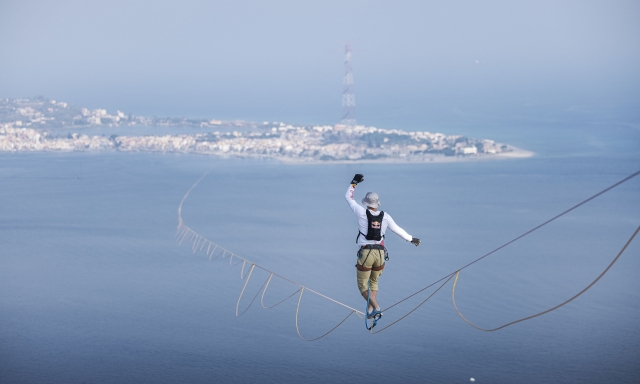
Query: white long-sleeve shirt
(363, 223)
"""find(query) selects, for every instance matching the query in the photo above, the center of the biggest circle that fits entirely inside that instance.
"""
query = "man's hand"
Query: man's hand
(415, 241)
(358, 178)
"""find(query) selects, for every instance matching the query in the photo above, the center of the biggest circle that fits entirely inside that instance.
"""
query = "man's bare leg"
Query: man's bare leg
(373, 302)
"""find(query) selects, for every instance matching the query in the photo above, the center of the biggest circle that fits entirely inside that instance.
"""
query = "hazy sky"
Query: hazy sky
(282, 60)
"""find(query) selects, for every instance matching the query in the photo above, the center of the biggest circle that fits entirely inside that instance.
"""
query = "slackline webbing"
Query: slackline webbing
(199, 242)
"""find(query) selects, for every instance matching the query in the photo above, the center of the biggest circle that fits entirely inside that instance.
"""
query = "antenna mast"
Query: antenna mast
(348, 97)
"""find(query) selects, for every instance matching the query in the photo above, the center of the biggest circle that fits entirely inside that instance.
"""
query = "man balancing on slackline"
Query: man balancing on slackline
(372, 224)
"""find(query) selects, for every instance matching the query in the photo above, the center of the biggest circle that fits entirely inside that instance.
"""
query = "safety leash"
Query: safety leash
(366, 310)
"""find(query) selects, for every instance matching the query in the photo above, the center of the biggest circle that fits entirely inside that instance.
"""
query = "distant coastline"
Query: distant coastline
(39, 124)
(514, 153)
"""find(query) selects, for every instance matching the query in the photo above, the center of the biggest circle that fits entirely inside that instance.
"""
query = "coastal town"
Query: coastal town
(39, 124)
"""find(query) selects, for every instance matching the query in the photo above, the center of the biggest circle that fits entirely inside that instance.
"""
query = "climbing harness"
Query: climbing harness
(200, 243)
(364, 269)
(379, 248)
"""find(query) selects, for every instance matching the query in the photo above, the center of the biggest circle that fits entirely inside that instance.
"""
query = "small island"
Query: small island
(40, 124)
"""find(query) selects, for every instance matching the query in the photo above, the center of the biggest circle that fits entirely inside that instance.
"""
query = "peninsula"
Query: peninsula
(39, 124)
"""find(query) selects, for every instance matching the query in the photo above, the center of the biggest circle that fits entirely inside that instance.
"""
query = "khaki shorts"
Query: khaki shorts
(371, 258)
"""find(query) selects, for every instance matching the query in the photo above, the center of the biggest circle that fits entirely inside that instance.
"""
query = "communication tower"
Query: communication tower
(348, 97)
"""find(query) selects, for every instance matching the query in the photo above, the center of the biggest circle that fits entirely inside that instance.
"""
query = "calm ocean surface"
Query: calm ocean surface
(94, 288)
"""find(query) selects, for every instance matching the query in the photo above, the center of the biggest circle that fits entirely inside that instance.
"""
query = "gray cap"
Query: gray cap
(371, 200)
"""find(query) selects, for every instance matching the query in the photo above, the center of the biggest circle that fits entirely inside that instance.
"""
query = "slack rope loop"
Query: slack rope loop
(198, 244)
(453, 291)
(265, 291)
(263, 288)
(242, 293)
(321, 336)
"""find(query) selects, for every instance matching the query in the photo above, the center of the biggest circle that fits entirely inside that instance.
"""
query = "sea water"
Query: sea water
(95, 288)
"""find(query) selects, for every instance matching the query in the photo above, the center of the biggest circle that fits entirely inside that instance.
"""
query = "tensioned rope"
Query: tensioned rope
(199, 242)
(523, 235)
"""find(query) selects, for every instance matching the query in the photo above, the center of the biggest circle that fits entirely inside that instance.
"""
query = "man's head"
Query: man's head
(371, 200)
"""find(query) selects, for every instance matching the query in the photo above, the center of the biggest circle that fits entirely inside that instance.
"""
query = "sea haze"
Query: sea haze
(94, 287)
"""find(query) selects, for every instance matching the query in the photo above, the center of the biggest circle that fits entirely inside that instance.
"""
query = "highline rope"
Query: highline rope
(199, 242)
